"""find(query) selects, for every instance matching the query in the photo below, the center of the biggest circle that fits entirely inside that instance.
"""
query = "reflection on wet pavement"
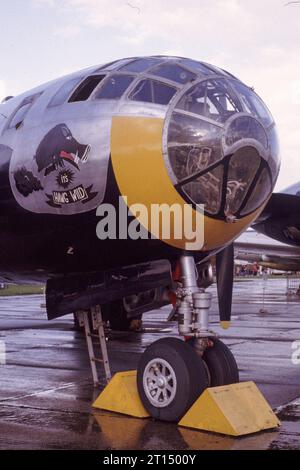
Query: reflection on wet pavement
(46, 389)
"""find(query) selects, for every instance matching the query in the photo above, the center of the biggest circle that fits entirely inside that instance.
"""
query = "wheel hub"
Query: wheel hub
(159, 382)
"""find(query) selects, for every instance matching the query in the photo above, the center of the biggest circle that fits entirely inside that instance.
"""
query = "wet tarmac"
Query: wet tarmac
(46, 388)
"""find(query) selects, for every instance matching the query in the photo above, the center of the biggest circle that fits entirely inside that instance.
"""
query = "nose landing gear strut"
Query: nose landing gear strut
(172, 373)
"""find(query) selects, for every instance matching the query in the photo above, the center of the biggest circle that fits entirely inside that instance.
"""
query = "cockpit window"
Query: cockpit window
(242, 169)
(219, 71)
(193, 145)
(207, 190)
(252, 103)
(173, 72)
(86, 88)
(274, 152)
(64, 92)
(245, 127)
(197, 66)
(259, 194)
(114, 87)
(212, 99)
(219, 148)
(18, 117)
(107, 66)
(116, 64)
(140, 65)
(150, 91)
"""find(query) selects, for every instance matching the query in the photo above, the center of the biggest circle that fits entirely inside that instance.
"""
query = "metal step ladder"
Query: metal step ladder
(83, 317)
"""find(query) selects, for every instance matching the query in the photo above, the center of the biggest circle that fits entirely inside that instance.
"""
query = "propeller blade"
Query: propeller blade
(224, 272)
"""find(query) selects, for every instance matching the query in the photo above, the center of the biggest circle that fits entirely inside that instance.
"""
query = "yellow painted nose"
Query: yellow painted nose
(142, 178)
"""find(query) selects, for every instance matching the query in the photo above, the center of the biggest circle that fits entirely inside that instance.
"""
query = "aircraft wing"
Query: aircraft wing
(256, 247)
(280, 219)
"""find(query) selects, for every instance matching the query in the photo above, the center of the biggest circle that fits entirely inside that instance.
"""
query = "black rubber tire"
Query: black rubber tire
(192, 378)
(223, 369)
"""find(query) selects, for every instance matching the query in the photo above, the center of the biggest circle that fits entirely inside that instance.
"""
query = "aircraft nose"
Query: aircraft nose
(222, 148)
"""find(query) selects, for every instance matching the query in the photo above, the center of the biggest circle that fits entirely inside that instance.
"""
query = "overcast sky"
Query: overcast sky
(256, 40)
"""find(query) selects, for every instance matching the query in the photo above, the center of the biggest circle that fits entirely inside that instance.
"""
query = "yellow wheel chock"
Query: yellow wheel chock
(121, 396)
(234, 410)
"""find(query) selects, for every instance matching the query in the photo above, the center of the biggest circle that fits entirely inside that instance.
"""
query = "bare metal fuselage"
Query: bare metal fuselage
(38, 240)
(59, 160)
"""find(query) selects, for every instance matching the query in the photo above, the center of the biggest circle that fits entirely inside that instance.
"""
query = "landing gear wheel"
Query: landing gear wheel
(223, 369)
(170, 378)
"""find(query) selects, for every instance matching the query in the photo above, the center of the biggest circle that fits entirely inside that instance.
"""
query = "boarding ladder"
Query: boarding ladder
(95, 315)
